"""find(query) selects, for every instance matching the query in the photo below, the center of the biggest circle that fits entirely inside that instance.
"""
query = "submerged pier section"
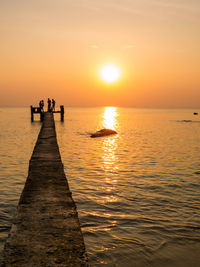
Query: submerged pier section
(46, 229)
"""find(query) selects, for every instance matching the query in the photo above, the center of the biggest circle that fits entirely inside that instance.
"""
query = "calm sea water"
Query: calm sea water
(137, 193)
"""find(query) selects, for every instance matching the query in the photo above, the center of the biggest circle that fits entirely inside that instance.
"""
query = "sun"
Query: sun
(110, 73)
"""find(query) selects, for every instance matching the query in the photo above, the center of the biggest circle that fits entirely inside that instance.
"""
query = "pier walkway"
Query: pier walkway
(46, 229)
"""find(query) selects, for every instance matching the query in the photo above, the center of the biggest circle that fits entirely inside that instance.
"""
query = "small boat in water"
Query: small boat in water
(103, 132)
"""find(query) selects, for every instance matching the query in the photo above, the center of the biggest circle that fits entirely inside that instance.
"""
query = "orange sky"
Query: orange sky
(54, 48)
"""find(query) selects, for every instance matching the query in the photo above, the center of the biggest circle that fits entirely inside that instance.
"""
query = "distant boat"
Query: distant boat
(103, 132)
(195, 113)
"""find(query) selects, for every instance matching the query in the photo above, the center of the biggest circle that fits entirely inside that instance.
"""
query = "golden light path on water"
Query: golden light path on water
(109, 148)
(110, 118)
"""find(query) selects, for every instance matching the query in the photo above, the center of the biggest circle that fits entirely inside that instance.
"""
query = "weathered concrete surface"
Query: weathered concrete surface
(46, 229)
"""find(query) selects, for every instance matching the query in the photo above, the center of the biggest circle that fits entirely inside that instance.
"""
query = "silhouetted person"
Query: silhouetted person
(42, 105)
(53, 104)
(49, 104)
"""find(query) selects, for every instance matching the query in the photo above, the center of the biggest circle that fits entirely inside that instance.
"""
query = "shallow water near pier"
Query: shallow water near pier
(137, 192)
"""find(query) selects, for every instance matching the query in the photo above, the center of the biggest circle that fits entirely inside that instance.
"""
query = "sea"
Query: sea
(137, 192)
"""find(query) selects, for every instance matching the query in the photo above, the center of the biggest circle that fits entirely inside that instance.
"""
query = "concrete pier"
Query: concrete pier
(46, 229)
(39, 110)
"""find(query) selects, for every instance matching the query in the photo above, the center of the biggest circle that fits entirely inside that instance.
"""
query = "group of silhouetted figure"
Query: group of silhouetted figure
(50, 105)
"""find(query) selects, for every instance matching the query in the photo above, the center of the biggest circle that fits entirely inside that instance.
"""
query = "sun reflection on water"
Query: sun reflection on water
(109, 157)
(110, 118)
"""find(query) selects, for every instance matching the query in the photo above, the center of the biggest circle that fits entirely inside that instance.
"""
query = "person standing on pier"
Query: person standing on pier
(49, 104)
(42, 105)
(53, 104)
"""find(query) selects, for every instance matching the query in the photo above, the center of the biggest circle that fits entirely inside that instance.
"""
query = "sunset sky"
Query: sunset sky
(56, 48)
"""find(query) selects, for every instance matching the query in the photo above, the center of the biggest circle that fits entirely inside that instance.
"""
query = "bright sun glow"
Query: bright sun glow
(110, 73)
